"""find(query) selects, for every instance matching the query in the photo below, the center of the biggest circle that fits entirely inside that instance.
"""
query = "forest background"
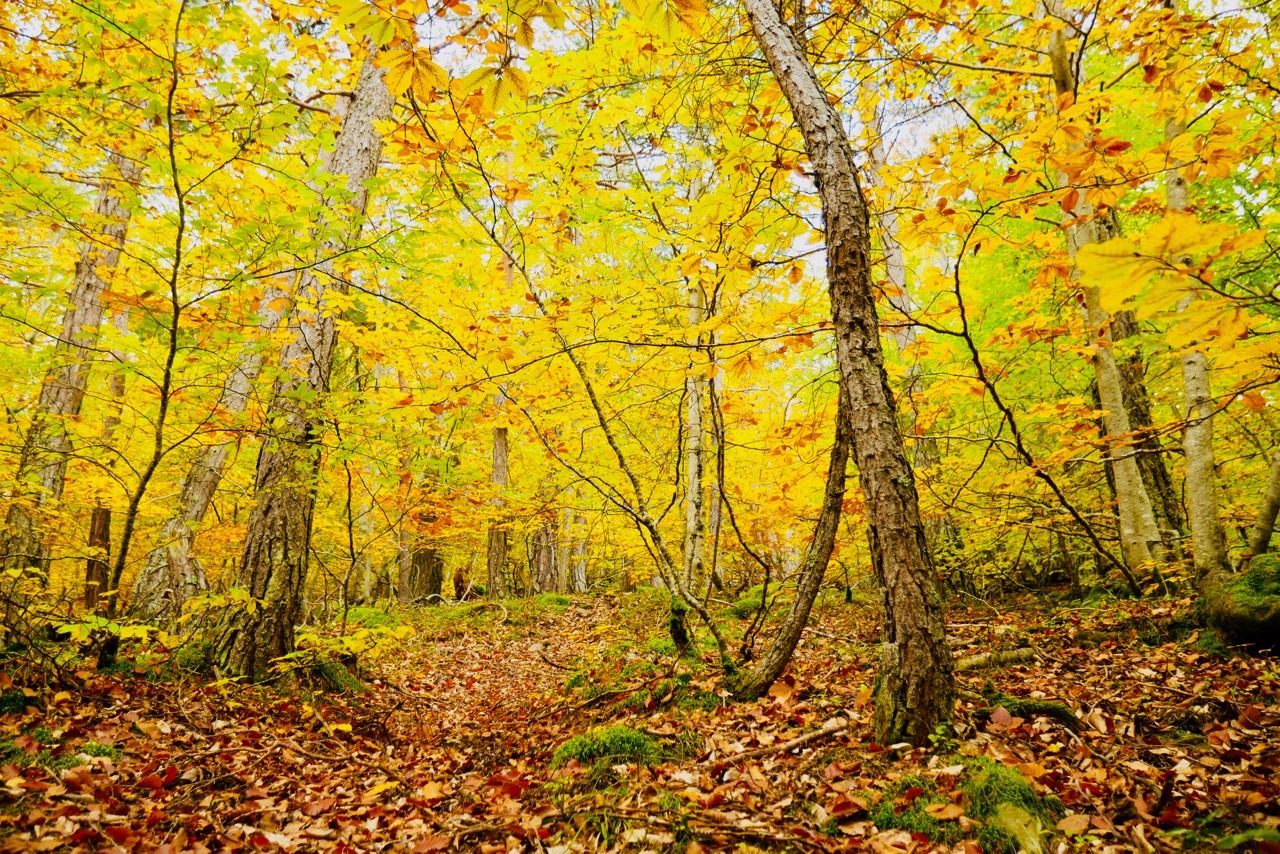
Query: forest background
(306, 307)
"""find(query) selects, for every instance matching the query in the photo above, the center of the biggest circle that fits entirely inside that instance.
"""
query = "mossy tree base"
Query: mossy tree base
(1246, 606)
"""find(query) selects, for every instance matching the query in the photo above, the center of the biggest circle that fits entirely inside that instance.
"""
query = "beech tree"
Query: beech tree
(914, 690)
(274, 565)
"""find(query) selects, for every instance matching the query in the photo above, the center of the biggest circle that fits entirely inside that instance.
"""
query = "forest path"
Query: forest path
(448, 745)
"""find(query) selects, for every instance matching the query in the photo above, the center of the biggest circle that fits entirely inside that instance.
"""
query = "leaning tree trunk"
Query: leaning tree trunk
(172, 574)
(1139, 533)
(755, 680)
(273, 567)
(914, 685)
(46, 446)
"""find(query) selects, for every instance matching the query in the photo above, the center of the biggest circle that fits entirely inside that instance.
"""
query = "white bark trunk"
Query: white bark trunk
(695, 531)
(1139, 532)
(47, 445)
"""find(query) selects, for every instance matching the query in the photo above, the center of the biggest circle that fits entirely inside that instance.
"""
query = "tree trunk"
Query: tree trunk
(95, 567)
(756, 680)
(171, 573)
(1139, 532)
(273, 567)
(499, 541)
(578, 557)
(544, 569)
(695, 529)
(1208, 542)
(914, 687)
(1265, 524)
(46, 445)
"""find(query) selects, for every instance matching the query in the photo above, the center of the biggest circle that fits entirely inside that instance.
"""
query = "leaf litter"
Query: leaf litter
(449, 746)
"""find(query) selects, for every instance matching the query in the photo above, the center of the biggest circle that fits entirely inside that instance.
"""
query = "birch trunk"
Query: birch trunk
(499, 541)
(46, 447)
(273, 567)
(1208, 543)
(695, 529)
(171, 573)
(1139, 532)
(914, 685)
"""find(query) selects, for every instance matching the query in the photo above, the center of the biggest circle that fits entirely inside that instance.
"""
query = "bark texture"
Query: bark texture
(172, 574)
(1264, 526)
(273, 567)
(914, 686)
(499, 539)
(42, 466)
(695, 516)
(1139, 532)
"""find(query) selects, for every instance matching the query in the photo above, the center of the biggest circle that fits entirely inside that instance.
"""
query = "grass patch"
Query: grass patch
(371, 618)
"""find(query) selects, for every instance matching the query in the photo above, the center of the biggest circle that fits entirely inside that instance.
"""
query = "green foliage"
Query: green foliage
(195, 655)
(751, 601)
(612, 745)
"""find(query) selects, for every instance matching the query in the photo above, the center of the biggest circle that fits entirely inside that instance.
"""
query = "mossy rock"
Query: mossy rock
(612, 745)
(1010, 816)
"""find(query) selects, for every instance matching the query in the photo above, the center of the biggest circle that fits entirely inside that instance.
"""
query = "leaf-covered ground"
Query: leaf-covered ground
(452, 742)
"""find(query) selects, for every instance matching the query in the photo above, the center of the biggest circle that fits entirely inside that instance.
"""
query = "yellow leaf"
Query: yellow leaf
(380, 788)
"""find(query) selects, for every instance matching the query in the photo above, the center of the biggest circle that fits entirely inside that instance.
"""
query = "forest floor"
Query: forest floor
(453, 741)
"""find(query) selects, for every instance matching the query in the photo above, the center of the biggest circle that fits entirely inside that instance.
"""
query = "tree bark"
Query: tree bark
(1139, 533)
(1265, 524)
(914, 687)
(273, 566)
(695, 527)
(545, 569)
(499, 539)
(47, 444)
(172, 573)
(96, 567)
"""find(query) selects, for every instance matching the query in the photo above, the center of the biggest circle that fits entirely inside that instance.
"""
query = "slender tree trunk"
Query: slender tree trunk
(914, 686)
(1139, 533)
(757, 679)
(1265, 524)
(171, 573)
(96, 567)
(1208, 543)
(47, 444)
(499, 539)
(578, 558)
(695, 529)
(273, 566)
(545, 569)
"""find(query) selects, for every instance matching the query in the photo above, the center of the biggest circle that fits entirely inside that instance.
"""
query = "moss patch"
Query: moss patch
(1010, 816)
(615, 744)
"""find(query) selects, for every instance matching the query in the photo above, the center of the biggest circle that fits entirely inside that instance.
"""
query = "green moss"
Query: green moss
(1259, 585)
(1210, 643)
(614, 745)
(554, 601)
(335, 676)
(903, 807)
(195, 655)
(12, 701)
(371, 618)
(1010, 816)
(662, 645)
(748, 604)
(93, 748)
